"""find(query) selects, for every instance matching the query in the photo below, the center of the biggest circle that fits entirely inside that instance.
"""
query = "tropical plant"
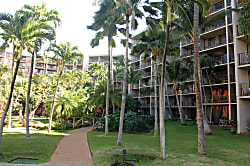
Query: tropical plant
(17, 28)
(105, 20)
(244, 20)
(176, 73)
(127, 8)
(65, 53)
(41, 18)
(152, 42)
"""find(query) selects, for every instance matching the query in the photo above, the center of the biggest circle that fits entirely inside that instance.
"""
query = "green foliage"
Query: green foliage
(244, 20)
(133, 123)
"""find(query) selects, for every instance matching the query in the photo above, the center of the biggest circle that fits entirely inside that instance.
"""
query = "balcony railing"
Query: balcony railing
(136, 67)
(1, 59)
(8, 54)
(244, 89)
(134, 59)
(1, 53)
(23, 59)
(219, 24)
(228, 2)
(216, 99)
(145, 65)
(217, 6)
(93, 60)
(135, 86)
(40, 65)
(147, 74)
(244, 58)
(22, 64)
(52, 67)
(214, 43)
(104, 60)
(51, 72)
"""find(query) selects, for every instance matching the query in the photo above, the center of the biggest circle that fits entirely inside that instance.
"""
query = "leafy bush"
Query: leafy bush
(133, 123)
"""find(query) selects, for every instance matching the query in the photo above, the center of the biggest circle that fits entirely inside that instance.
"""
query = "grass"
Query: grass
(40, 145)
(222, 147)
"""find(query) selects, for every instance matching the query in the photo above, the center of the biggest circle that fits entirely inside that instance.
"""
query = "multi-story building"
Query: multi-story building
(226, 88)
(43, 65)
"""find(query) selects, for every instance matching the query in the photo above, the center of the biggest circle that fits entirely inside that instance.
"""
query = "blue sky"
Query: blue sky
(75, 15)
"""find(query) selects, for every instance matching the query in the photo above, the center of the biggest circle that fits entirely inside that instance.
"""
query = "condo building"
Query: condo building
(226, 86)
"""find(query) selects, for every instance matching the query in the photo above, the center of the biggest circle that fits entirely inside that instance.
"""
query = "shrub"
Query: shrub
(133, 123)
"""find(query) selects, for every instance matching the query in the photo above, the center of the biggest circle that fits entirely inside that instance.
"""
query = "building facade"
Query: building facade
(226, 86)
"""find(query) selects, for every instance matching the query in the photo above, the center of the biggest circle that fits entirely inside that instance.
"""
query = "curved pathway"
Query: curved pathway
(73, 149)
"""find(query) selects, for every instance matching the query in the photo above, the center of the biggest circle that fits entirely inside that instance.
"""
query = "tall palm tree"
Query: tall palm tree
(17, 28)
(127, 8)
(42, 19)
(152, 42)
(65, 53)
(201, 134)
(105, 19)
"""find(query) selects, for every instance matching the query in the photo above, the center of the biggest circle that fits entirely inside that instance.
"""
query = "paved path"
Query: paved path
(72, 150)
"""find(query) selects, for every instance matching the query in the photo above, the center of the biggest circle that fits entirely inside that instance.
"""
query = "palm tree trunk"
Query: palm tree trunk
(28, 93)
(53, 102)
(183, 122)
(156, 104)
(124, 88)
(201, 134)
(12, 74)
(8, 102)
(107, 95)
(112, 76)
(207, 128)
(162, 109)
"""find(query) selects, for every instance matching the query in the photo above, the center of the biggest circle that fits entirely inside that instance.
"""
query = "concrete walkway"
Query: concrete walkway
(72, 150)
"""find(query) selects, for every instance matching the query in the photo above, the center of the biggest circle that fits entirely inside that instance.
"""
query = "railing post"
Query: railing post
(73, 123)
(93, 124)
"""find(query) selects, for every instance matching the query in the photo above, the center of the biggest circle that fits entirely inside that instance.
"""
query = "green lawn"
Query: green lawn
(40, 145)
(181, 142)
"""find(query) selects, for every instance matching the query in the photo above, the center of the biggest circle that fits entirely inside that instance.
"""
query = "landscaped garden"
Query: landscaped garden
(42, 96)
(223, 148)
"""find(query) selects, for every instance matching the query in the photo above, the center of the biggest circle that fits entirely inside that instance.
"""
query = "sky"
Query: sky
(75, 15)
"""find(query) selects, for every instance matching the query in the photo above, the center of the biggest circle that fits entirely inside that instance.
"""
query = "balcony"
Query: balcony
(145, 65)
(216, 99)
(104, 60)
(244, 89)
(134, 59)
(136, 67)
(135, 86)
(216, 7)
(219, 24)
(214, 42)
(8, 54)
(79, 68)
(228, 2)
(1, 53)
(244, 58)
(69, 63)
(51, 72)
(93, 60)
(52, 67)
(79, 62)
(2, 60)
(40, 65)
(23, 59)
(22, 65)
(147, 74)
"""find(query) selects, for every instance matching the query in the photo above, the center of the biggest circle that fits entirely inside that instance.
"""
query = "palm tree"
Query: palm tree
(176, 73)
(65, 53)
(15, 28)
(201, 134)
(105, 19)
(41, 18)
(127, 8)
(152, 41)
